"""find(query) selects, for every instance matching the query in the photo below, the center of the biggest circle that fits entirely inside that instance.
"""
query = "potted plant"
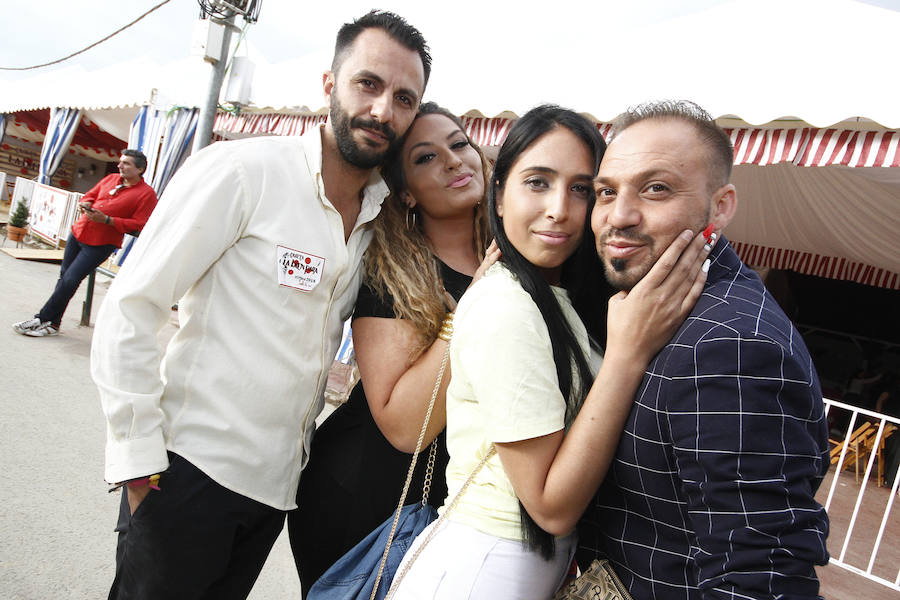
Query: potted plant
(18, 220)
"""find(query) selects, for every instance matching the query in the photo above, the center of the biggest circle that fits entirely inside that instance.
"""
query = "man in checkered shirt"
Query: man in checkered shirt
(711, 493)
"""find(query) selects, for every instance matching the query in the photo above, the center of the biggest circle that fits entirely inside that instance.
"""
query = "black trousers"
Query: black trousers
(192, 539)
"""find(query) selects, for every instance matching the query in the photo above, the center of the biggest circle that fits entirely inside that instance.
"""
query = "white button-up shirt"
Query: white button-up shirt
(247, 244)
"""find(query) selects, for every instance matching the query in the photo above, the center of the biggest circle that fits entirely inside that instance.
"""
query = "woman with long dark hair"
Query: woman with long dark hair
(522, 377)
(428, 242)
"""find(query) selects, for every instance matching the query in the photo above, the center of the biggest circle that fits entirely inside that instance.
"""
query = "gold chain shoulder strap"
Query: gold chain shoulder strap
(434, 527)
(412, 468)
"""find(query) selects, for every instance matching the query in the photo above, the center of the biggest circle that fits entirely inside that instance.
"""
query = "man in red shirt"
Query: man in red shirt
(117, 205)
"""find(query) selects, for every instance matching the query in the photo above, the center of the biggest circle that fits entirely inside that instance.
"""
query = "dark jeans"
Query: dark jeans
(192, 539)
(79, 260)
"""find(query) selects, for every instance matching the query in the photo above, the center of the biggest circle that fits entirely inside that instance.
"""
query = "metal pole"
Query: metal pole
(205, 121)
(88, 301)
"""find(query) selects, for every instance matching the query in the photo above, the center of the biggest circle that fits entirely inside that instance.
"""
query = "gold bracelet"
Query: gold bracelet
(446, 331)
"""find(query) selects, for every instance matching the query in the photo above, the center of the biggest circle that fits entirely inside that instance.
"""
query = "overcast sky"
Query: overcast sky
(39, 31)
(472, 40)
(49, 29)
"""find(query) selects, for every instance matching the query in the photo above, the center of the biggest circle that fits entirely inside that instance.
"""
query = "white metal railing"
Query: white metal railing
(883, 421)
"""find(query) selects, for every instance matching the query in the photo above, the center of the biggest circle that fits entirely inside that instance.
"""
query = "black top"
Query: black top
(379, 469)
(368, 304)
(354, 477)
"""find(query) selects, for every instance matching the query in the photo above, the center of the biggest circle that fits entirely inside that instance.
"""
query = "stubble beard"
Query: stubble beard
(617, 272)
(623, 273)
(351, 152)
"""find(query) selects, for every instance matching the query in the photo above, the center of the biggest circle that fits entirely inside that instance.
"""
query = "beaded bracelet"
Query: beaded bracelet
(152, 480)
(446, 331)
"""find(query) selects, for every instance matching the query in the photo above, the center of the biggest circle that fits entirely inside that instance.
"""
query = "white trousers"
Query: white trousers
(461, 563)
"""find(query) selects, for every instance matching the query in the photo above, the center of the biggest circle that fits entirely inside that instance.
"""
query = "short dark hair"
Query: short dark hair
(716, 141)
(140, 161)
(392, 24)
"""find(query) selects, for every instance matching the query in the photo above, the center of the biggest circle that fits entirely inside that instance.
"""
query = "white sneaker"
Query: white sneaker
(46, 329)
(29, 325)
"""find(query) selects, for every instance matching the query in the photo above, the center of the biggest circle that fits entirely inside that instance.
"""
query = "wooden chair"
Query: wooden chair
(859, 445)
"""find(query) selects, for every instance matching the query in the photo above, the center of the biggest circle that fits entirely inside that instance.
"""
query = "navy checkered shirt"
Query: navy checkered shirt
(711, 493)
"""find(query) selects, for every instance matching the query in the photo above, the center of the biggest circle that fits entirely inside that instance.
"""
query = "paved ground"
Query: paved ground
(56, 519)
(838, 583)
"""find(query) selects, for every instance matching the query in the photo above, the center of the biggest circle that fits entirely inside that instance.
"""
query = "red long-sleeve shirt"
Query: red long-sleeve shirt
(129, 207)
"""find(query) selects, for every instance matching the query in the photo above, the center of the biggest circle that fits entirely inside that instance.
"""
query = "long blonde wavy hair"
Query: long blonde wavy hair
(400, 263)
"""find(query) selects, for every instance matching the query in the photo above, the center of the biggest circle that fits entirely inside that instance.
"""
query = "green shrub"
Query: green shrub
(19, 218)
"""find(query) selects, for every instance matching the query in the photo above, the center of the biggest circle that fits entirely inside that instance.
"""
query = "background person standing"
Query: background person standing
(117, 205)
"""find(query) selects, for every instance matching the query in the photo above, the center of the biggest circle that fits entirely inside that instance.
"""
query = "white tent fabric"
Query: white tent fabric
(60, 131)
(112, 107)
(22, 131)
(181, 123)
(129, 85)
(829, 221)
(164, 136)
(165, 139)
(114, 121)
(145, 135)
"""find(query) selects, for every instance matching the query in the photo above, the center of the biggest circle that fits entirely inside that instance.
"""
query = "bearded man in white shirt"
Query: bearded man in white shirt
(260, 242)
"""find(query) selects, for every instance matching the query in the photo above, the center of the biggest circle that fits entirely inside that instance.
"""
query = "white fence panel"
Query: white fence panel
(865, 433)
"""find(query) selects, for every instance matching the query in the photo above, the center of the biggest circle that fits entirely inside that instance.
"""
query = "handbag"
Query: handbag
(366, 571)
(431, 533)
(599, 582)
(356, 574)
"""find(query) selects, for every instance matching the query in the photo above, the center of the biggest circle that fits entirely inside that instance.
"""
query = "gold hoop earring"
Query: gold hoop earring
(415, 220)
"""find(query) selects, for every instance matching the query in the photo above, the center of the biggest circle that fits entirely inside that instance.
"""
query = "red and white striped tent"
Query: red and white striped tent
(822, 202)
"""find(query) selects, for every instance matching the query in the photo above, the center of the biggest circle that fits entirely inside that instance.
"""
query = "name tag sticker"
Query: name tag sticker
(299, 270)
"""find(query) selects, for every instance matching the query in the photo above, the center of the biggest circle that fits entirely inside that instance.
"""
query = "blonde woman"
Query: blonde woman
(428, 243)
